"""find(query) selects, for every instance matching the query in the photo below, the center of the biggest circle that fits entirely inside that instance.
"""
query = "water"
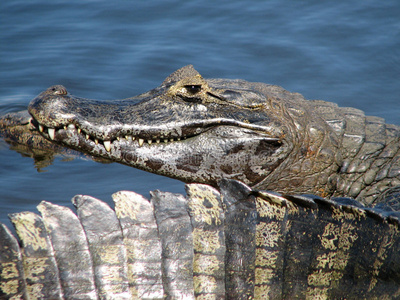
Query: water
(333, 50)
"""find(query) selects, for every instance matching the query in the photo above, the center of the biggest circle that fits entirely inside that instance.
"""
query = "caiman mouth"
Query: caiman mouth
(51, 134)
(142, 136)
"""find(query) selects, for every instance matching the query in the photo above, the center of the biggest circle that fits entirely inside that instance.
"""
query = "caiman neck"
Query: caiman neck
(371, 158)
(340, 153)
(312, 165)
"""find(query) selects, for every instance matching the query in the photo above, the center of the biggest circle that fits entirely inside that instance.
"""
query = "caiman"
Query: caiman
(263, 244)
(199, 130)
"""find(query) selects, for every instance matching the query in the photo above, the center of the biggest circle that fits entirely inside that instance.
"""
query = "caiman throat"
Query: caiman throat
(199, 130)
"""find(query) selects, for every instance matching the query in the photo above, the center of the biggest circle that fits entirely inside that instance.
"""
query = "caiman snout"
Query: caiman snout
(182, 129)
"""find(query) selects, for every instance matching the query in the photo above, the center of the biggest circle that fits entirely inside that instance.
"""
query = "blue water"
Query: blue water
(342, 51)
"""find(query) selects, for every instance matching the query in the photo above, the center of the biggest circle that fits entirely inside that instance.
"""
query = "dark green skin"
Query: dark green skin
(211, 129)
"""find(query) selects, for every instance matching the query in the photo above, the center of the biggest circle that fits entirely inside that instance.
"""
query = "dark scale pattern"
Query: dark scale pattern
(239, 243)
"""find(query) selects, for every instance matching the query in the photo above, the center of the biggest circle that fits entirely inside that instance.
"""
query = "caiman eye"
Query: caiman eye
(193, 88)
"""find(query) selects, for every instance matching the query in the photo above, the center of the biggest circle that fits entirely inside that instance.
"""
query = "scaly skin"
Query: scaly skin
(199, 130)
(236, 243)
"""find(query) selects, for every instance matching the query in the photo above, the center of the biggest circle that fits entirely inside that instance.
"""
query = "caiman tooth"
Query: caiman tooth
(118, 138)
(165, 140)
(87, 136)
(41, 128)
(51, 131)
(129, 137)
(141, 141)
(107, 145)
(96, 141)
(149, 142)
(79, 130)
(157, 141)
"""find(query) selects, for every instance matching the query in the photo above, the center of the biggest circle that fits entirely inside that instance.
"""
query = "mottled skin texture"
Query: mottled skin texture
(199, 130)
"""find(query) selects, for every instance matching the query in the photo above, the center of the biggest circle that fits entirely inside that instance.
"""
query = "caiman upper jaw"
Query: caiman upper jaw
(57, 123)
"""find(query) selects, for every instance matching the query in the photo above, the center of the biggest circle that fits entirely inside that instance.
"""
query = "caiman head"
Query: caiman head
(189, 128)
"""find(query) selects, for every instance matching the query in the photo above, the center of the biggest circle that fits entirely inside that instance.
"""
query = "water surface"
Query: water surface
(330, 50)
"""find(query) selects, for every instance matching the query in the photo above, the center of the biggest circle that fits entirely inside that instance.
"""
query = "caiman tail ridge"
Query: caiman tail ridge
(203, 130)
(238, 243)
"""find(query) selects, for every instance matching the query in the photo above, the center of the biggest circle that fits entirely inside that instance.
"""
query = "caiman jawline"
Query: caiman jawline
(151, 134)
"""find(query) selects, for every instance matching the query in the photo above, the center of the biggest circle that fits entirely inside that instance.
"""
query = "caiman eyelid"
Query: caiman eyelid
(199, 99)
(190, 93)
(191, 99)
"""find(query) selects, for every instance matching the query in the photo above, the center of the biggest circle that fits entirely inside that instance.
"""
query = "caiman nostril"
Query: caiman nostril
(57, 90)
